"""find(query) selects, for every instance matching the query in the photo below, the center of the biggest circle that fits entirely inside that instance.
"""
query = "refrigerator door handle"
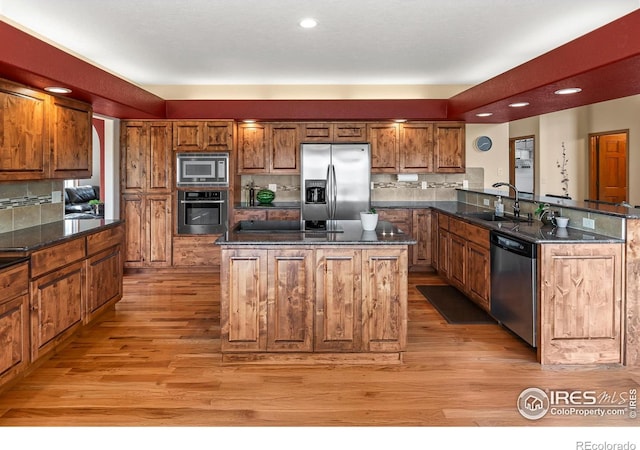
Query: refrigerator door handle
(328, 196)
(334, 186)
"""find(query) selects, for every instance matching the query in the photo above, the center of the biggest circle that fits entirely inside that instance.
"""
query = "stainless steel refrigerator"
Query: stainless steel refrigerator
(335, 184)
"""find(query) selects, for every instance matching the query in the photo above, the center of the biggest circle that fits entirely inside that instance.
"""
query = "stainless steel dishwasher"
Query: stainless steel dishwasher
(514, 285)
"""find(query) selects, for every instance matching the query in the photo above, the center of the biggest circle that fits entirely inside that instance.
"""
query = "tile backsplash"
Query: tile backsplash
(386, 187)
(28, 204)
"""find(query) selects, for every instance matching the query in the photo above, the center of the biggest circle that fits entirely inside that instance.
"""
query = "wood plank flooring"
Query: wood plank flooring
(155, 361)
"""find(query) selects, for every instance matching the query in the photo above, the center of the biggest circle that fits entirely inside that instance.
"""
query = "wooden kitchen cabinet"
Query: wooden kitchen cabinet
(71, 138)
(284, 148)
(57, 298)
(469, 267)
(203, 136)
(104, 270)
(269, 148)
(253, 148)
(147, 160)
(149, 225)
(14, 321)
(43, 136)
(249, 214)
(384, 302)
(416, 147)
(383, 138)
(290, 300)
(24, 151)
(334, 132)
(442, 254)
(338, 309)
(449, 147)
(421, 254)
(265, 214)
(196, 251)
(581, 303)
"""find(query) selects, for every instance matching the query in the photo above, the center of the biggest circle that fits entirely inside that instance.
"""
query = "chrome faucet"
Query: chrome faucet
(516, 203)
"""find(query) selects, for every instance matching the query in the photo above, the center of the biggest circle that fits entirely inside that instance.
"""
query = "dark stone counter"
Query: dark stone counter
(33, 238)
(282, 232)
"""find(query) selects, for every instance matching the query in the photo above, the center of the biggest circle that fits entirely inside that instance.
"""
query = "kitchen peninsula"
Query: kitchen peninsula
(289, 295)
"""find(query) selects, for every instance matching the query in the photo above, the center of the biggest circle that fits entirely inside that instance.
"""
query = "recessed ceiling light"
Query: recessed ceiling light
(308, 23)
(487, 114)
(57, 89)
(567, 91)
(519, 104)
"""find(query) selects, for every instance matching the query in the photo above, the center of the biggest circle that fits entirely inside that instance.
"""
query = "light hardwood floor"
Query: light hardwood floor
(155, 361)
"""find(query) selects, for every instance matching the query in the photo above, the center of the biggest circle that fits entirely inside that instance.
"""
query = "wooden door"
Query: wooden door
(384, 141)
(416, 147)
(159, 226)
(157, 151)
(188, 136)
(134, 138)
(71, 139)
(422, 252)
(56, 307)
(290, 300)
(581, 303)
(457, 261)
(478, 275)
(104, 280)
(608, 167)
(243, 293)
(449, 148)
(350, 132)
(443, 252)
(338, 308)
(217, 136)
(285, 148)
(384, 291)
(14, 321)
(253, 153)
(24, 150)
(317, 132)
(135, 238)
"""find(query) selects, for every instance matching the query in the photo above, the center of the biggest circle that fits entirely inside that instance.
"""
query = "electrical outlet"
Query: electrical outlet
(486, 202)
(273, 187)
(372, 185)
(465, 184)
(588, 223)
(56, 196)
(424, 185)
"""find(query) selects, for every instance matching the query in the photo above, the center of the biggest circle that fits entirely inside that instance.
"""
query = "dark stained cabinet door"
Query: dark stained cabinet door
(71, 139)
(24, 152)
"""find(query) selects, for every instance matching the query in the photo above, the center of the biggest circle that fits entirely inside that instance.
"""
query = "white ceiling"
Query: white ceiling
(357, 42)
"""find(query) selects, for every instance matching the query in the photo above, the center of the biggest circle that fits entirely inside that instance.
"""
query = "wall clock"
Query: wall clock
(484, 143)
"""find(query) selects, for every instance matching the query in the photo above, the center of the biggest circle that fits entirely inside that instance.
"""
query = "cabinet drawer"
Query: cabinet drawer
(395, 215)
(51, 258)
(458, 227)
(478, 235)
(443, 221)
(283, 214)
(104, 239)
(14, 281)
(249, 214)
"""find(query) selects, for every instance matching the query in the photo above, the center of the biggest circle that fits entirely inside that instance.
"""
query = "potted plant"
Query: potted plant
(96, 204)
(369, 219)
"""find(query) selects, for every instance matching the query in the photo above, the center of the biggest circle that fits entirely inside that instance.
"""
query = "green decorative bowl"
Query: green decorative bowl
(265, 196)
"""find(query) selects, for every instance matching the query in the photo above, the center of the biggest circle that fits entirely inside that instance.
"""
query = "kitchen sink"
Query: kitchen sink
(489, 216)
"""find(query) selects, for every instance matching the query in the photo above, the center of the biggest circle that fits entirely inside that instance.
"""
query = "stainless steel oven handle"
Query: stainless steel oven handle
(202, 201)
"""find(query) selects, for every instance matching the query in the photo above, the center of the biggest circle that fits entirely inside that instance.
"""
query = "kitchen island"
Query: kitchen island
(290, 295)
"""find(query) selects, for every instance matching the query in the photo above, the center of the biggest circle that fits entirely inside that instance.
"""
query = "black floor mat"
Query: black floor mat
(454, 306)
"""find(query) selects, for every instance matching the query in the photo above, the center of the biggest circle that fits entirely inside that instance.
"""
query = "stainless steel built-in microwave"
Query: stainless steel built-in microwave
(202, 169)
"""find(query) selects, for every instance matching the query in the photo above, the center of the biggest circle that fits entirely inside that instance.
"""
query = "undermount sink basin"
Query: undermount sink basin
(489, 216)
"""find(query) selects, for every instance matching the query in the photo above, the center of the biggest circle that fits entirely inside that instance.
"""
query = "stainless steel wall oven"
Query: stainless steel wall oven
(202, 212)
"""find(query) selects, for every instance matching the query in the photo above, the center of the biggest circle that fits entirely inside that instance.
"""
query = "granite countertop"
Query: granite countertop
(11, 261)
(272, 205)
(533, 231)
(276, 232)
(33, 238)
